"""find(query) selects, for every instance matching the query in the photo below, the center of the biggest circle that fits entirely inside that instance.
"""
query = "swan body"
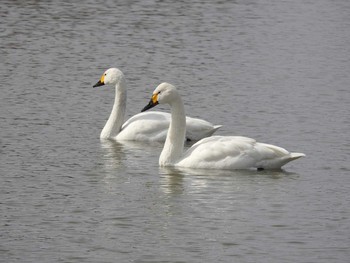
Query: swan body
(147, 126)
(216, 152)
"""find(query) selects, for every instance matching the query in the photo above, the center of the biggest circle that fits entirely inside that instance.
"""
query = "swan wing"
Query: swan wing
(197, 129)
(234, 152)
(153, 126)
(146, 126)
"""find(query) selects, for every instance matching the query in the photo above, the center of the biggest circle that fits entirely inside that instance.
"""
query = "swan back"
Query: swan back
(235, 152)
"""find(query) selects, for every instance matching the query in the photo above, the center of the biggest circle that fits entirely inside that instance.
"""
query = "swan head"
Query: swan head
(165, 93)
(110, 76)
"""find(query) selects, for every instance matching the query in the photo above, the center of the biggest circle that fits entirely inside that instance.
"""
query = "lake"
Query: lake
(276, 71)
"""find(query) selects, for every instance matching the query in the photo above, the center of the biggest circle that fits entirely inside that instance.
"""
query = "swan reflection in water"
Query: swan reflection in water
(131, 154)
(126, 155)
(175, 180)
(113, 154)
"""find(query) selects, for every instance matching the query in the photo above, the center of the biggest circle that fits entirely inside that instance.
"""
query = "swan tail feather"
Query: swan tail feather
(294, 156)
(291, 157)
(277, 163)
(216, 127)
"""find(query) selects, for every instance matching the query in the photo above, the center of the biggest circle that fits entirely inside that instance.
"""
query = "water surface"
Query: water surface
(277, 71)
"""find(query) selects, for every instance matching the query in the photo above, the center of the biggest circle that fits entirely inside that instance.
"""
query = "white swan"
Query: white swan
(216, 152)
(148, 126)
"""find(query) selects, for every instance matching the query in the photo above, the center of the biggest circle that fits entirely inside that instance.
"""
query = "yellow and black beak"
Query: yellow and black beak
(101, 82)
(153, 102)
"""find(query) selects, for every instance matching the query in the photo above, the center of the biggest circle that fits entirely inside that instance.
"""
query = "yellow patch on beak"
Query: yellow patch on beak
(102, 79)
(155, 98)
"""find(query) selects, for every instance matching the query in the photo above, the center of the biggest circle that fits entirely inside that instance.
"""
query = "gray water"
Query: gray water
(277, 71)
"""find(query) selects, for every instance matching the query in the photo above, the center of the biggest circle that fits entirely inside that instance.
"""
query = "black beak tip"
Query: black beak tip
(98, 84)
(149, 106)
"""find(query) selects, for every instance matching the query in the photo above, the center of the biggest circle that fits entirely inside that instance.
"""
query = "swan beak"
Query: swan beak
(99, 83)
(153, 102)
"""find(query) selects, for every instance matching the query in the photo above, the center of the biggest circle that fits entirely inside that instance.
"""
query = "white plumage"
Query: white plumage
(216, 152)
(148, 126)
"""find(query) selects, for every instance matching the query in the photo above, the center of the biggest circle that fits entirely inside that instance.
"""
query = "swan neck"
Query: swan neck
(174, 143)
(116, 118)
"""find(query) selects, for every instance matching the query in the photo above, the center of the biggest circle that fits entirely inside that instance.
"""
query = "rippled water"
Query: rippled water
(277, 71)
